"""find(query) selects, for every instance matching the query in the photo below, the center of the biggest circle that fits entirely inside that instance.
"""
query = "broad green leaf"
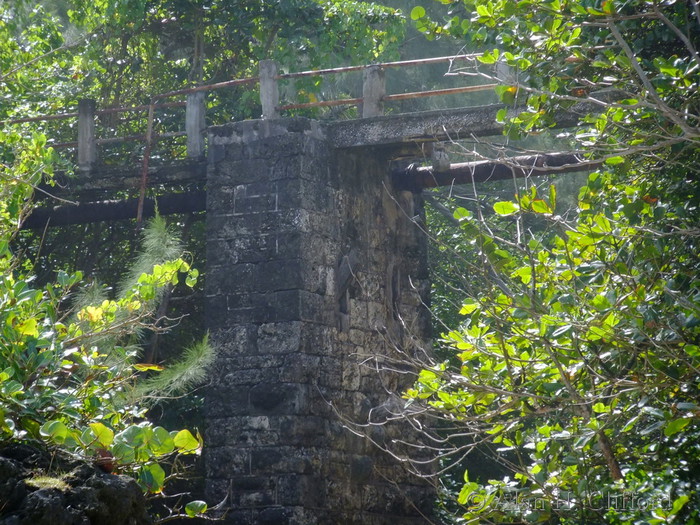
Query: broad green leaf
(600, 408)
(469, 307)
(191, 278)
(676, 425)
(612, 161)
(124, 453)
(540, 206)
(56, 430)
(152, 477)
(462, 214)
(161, 442)
(186, 442)
(134, 435)
(28, 328)
(195, 508)
(524, 273)
(506, 208)
(104, 435)
(417, 12)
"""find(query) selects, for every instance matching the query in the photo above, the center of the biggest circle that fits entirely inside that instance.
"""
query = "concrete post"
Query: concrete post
(269, 91)
(87, 147)
(373, 91)
(195, 125)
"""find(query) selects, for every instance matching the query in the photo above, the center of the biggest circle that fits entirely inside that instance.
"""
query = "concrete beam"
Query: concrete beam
(431, 126)
(103, 179)
(113, 210)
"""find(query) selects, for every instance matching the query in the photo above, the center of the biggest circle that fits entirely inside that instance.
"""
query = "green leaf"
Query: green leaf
(55, 430)
(612, 161)
(524, 273)
(469, 307)
(540, 206)
(501, 115)
(600, 408)
(678, 504)
(145, 367)
(417, 13)
(28, 328)
(152, 477)
(675, 426)
(506, 208)
(191, 278)
(195, 508)
(134, 435)
(553, 196)
(161, 442)
(104, 435)
(185, 442)
(124, 453)
(462, 214)
(507, 94)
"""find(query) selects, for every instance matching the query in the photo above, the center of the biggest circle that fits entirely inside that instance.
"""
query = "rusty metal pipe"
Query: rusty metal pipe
(418, 178)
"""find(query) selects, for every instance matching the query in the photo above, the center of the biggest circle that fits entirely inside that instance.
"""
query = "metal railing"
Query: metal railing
(372, 102)
(374, 96)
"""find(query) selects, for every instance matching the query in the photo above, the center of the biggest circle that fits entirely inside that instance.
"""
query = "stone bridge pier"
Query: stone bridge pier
(317, 280)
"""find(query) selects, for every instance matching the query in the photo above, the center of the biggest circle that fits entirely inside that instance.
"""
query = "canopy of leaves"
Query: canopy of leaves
(69, 360)
(123, 52)
(575, 363)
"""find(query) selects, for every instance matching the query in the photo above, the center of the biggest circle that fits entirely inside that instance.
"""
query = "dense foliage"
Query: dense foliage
(69, 359)
(122, 52)
(575, 364)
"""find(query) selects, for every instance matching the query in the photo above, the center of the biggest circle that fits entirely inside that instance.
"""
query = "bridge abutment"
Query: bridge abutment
(316, 280)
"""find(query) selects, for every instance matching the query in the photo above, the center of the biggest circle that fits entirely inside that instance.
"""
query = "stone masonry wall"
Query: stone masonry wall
(315, 276)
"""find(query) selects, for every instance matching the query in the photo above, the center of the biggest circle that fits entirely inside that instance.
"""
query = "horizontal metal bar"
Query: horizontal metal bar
(209, 87)
(417, 178)
(40, 118)
(436, 92)
(143, 107)
(106, 111)
(388, 98)
(322, 103)
(401, 63)
(127, 138)
(252, 80)
(63, 144)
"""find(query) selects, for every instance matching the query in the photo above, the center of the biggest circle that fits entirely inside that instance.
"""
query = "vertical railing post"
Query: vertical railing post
(87, 147)
(373, 91)
(195, 124)
(269, 91)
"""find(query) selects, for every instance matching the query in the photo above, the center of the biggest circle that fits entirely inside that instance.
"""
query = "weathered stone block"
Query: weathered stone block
(279, 398)
(280, 338)
(305, 431)
(272, 460)
(301, 367)
(226, 400)
(226, 462)
(302, 490)
(275, 516)
(245, 205)
(253, 499)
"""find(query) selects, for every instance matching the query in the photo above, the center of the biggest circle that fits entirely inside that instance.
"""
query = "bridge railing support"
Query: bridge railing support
(269, 91)
(373, 91)
(195, 125)
(87, 144)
